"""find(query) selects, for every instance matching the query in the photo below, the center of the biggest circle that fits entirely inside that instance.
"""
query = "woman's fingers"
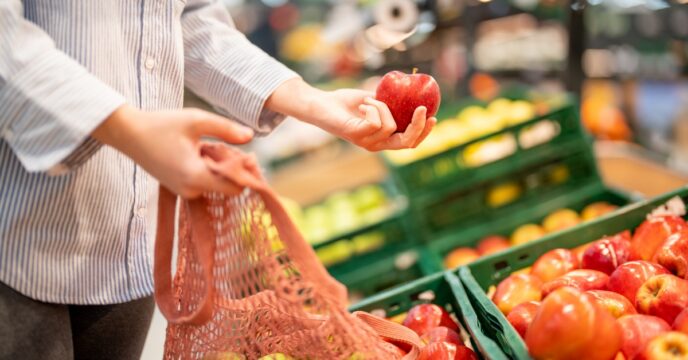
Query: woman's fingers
(415, 129)
(389, 126)
(208, 124)
(429, 125)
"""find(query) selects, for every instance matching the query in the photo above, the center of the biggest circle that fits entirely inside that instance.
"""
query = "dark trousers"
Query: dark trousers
(31, 329)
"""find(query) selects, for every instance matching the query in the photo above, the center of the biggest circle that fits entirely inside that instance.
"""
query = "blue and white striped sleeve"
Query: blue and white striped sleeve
(50, 103)
(225, 69)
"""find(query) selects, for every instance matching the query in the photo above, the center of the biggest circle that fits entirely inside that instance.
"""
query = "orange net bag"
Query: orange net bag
(248, 285)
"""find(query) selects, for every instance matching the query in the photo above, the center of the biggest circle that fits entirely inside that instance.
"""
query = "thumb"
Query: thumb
(209, 124)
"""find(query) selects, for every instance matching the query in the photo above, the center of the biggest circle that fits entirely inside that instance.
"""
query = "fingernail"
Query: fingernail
(247, 132)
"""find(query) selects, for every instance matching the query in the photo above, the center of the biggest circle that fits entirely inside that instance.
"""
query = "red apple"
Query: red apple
(664, 296)
(673, 254)
(681, 322)
(394, 349)
(460, 256)
(492, 244)
(424, 317)
(522, 315)
(403, 93)
(516, 289)
(606, 255)
(671, 345)
(554, 263)
(571, 326)
(579, 251)
(616, 304)
(628, 277)
(581, 279)
(446, 351)
(440, 334)
(637, 330)
(650, 235)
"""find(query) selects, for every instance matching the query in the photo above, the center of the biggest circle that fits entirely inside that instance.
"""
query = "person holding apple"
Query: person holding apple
(91, 97)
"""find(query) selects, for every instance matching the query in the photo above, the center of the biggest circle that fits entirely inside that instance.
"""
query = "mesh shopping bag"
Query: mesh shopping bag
(247, 284)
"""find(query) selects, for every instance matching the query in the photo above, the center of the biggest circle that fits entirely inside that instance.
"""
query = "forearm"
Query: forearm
(295, 98)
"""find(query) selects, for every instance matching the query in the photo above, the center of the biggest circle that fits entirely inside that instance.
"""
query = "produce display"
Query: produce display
(439, 332)
(474, 122)
(556, 221)
(624, 296)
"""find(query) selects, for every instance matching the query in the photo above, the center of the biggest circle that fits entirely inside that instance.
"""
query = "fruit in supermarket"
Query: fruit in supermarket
(394, 349)
(276, 356)
(369, 197)
(671, 345)
(581, 279)
(492, 244)
(516, 289)
(503, 194)
(628, 277)
(606, 254)
(664, 296)
(673, 254)
(522, 315)
(569, 325)
(460, 256)
(579, 251)
(440, 334)
(554, 263)
(638, 330)
(596, 210)
(560, 220)
(223, 355)
(652, 233)
(403, 93)
(681, 322)
(520, 111)
(425, 317)
(527, 233)
(616, 304)
(446, 351)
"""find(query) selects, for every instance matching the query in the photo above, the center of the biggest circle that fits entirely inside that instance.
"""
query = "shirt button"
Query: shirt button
(150, 63)
(141, 212)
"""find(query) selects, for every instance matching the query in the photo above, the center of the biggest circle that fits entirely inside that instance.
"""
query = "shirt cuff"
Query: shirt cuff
(50, 107)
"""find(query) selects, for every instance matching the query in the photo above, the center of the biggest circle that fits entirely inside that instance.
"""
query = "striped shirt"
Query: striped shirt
(77, 218)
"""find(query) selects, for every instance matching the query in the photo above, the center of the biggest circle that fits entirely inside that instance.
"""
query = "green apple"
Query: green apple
(369, 197)
(335, 253)
(367, 242)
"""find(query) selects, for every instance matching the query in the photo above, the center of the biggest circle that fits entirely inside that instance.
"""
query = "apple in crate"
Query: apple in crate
(628, 277)
(681, 322)
(554, 263)
(638, 330)
(668, 346)
(664, 296)
(560, 220)
(606, 255)
(673, 254)
(571, 326)
(446, 351)
(442, 334)
(581, 279)
(460, 256)
(492, 244)
(652, 233)
(596, 210)
(403, 93)
(425, 317)
(616, 304)
(522, 315)
(516, 289)
(526, 233)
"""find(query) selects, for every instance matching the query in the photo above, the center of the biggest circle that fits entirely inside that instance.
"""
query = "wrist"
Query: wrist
(116, 128)
(297, 99)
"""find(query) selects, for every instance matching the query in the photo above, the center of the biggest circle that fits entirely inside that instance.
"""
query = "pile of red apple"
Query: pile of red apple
(620, 297)
(439, 332)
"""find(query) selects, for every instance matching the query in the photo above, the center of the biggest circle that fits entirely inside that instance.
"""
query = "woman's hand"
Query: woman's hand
(167, 145)
(353, 115)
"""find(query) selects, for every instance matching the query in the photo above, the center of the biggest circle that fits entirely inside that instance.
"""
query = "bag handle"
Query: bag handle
(202, 238)
(389, 330)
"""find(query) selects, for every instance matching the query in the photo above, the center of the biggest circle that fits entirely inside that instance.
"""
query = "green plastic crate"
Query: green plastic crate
(373, 273)
(441, 289)
(532, 210)
(448, 169)
(478, 276)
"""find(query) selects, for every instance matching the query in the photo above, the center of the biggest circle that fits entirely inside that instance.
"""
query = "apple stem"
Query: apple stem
(415, 69)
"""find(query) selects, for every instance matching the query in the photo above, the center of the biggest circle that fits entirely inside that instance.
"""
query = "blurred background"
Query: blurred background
(546, 104)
